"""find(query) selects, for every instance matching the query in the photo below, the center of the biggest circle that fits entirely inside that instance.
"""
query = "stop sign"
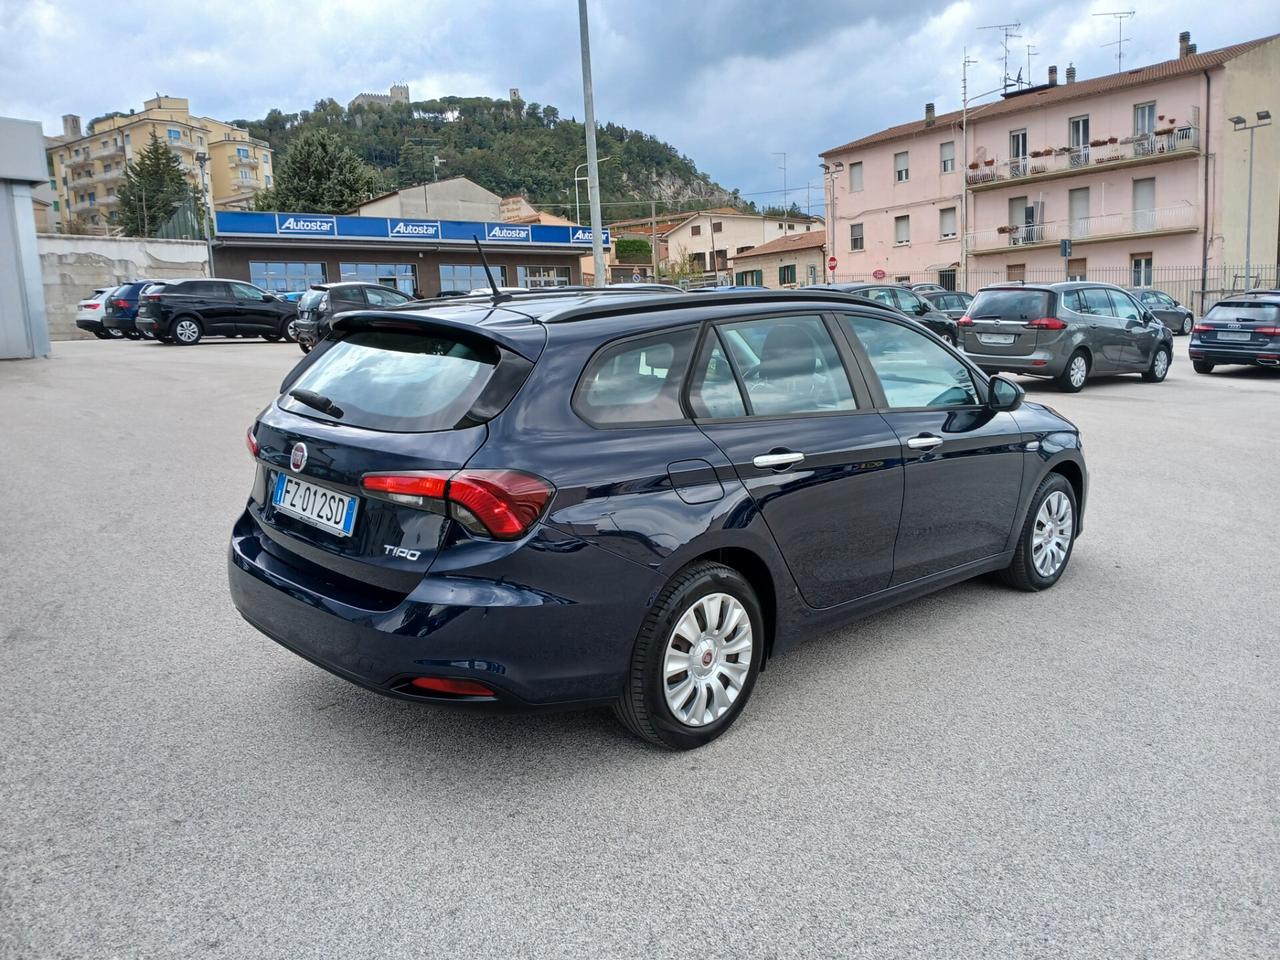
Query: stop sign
(831, 264)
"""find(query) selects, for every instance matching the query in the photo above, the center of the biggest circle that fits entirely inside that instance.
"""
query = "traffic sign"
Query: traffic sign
(831, 264)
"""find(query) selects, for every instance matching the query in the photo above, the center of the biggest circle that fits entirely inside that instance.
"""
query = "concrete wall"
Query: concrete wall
(74, 265)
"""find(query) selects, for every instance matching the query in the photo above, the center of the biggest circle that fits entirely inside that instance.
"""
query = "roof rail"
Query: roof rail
(683, 300)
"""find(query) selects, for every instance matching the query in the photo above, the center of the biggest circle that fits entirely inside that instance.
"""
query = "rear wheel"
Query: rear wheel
(304, 346)
(186, 331)
(291, 330)
(696, 659)
(102, 334)
(1159, 368)
(132, 335)
(1187, 322)
(1048, 534)
(1074, 374)
(271, 337)
(1201, 366)
(114, 333)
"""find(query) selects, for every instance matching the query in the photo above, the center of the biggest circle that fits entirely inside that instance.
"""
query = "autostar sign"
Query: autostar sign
(508, 232)
(413, 229)
(311, 225)
(339, 228)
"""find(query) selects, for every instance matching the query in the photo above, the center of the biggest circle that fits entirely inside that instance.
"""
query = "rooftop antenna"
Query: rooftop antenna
(1007, 34)
(1120, 17)
(1031, 52)
(498, 295)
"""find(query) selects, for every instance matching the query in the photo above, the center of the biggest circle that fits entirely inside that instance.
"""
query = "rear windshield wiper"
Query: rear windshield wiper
(317, 401)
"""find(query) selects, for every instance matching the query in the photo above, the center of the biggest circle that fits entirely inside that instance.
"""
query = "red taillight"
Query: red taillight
(92, 306)
(122, 304)
(1203, 328)
(1268, 331)
(154, 297)
(251, 442)
(503, 504)
(1047, 323)
(462, 688)
(965, 321)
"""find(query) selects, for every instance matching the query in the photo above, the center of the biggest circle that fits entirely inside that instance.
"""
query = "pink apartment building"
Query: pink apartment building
(1142, 170)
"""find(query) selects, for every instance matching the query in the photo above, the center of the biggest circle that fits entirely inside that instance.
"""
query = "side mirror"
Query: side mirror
(923, 308)
(1003, 394)
(267, 298)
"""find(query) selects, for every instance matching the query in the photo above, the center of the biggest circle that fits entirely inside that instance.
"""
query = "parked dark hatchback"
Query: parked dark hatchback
(1167, 310)
(1068, 331)
(318, 306)
(954, 303)
(632, 499)
(121, 308)
(185, 311)
(905, 300)
(1244, 329)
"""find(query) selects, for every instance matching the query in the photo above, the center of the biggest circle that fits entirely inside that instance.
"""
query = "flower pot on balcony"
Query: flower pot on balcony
(988, 163)
(1113, 139)
(974, 165)
(1097, 143)
(1164, 131)
(1005, 228)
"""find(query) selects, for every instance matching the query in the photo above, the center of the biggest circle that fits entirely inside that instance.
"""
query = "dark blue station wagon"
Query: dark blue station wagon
(632, 498)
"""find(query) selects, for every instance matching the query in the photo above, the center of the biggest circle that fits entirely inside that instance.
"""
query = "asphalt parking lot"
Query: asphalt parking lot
(1093, 771)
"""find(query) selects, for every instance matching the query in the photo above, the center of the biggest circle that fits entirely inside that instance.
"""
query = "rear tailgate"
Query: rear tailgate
(1250, 325)
(998, 321)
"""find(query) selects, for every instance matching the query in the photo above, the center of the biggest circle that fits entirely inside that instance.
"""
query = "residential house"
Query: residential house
(793, 260)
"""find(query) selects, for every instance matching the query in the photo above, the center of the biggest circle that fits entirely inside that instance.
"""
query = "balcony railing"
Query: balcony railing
(1179, 140)
(1103, 226)
(239, 161)
(253, 140)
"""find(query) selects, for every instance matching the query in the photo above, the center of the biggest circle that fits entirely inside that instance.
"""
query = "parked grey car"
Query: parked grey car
(1169, 311)
(902, 298)
(954, 303)
(1067, 331)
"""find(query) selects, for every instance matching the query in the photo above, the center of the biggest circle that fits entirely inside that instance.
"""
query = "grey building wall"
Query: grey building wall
(23, 332)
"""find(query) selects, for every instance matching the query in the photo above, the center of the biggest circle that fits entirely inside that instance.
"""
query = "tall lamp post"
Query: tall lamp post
(1241, 124)
(830, 171)
(203, 158)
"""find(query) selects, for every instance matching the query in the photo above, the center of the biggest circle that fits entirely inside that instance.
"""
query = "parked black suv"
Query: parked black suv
(906, 300)
(184, 311)
(317, 307)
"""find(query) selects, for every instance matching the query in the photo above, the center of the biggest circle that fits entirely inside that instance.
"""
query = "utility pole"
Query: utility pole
(653, 237)
(783, 168)
(966, 63)
(593, 167)
(206, 215)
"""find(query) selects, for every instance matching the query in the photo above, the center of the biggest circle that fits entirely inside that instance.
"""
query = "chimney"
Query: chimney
(1071, 73)
(1191, 49)
(71, 125)
(1184, 44)
(1053, 76)
(928, 114)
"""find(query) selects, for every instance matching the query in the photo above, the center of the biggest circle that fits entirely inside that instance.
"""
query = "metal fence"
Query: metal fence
(1186, 284)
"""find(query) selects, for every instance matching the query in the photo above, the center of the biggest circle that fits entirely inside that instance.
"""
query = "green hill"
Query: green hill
(509, 147)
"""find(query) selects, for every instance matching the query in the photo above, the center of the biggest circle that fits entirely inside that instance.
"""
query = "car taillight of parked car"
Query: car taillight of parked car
(1047, 323)
(1268, 331)
(1203, 328)
(503, 504)
(251, 442)
(965, 321)
(122, 304)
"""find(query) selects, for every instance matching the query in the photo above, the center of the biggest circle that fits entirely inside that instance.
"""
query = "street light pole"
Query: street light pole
(203, 158)
(593, 166)
(830, 172)
(1240, 123)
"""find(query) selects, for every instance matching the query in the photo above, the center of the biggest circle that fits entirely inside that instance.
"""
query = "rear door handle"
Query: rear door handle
(924, 442)
(771, 461)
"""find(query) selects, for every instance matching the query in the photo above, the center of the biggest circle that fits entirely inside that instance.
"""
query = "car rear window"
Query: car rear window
(636, 380)
(1012, 304)
(1244, 311)
(309, 299)
(395, 381)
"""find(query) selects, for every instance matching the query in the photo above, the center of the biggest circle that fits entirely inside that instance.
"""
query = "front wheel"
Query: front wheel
(102, 334)
(1047, 537)
(291, 331)
(1074, 375)
(186, 332)
(696, 659)
(1159, 368)
(1200, 366)
(304, 346)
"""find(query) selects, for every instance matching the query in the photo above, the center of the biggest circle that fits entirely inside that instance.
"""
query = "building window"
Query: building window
(267, 179)
(1078, 210)
(542, 276)
(106, 168)
(242, 153)
(1144, 204)
(901, 167)
(717, 226)
(174, 134)
(749, 278)
(787, 274)
(902, 278)
(855, 177)
(695, 230)
(1077, 269)
(127, 138)
(1141, 269)
(276, 277)
(1078, 128)
(1018, 145)
(244, 174)
(77, 151)
(463, 277)
(266, 158)
(1144, 118)
(200, 140)
(947, 279)
(947, 153)
(947, 223)
(855, 236)
(901, 231)
(811, 274)
(741, 250)
(93, 197)
(1016, 272)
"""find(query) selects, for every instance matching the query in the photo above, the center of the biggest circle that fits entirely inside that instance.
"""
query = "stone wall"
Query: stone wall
(73, 266)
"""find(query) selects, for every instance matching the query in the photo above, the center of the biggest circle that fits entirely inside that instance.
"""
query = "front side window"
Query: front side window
(947, 156)
(788, 366)
(913, 370)
(856, 238)
(636, 381)
(901, 167)
(1123, 306)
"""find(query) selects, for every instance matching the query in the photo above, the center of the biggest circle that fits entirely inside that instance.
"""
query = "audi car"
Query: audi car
(1244, 329)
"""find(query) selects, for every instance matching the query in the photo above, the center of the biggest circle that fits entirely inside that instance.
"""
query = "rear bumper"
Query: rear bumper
(149, 327)
(93, 325)
(123, 324)
(1266, 357)
(1040, 363)
(534, 647)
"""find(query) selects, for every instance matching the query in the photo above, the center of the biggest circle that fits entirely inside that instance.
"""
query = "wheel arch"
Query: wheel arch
(756, 572)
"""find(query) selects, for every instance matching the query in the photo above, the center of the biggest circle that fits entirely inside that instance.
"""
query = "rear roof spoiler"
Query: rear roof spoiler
(526, 339)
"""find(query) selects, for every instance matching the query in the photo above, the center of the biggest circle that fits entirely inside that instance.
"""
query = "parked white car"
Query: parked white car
(89, 315)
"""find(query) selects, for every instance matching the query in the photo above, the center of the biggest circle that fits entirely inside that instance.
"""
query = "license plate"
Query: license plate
(335, 512)
(996, 339)
(1234, 335)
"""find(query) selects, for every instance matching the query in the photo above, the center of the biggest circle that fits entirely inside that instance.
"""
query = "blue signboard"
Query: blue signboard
(323, 226)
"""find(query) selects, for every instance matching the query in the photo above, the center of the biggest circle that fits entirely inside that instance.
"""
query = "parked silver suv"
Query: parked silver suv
(1067, 331)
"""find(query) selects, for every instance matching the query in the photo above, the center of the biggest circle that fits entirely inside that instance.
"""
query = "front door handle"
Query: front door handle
(924, 442)
(772, 461)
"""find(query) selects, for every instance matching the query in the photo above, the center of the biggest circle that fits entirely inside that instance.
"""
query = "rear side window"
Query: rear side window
(788, 366)
(713, 390)
(401, 382)
(202, 288)
(636, 380)
(1011, 304)
(384, 297)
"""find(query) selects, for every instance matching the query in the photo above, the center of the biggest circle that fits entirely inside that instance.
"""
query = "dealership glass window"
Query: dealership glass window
(1141, 263)
(855, 177)
(947, 223)
(464, 277)
(947, 153)
(282, 277)
(855, 236)
(541, 276)
(901, 231)
(901, 167)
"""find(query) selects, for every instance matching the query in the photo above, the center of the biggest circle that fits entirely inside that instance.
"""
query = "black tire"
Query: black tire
(1021, 572)
(643, 708)
(1201, 366)
(304, 346)
(132, 335)
(186, 331)
(102, 334)
(290, 330)
(114, 333)
(1187, 323)
(271, 337)
(1156, 372)
(1064, 380)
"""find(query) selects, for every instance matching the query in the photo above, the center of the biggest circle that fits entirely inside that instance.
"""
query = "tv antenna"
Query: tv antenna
(1031, 52)
(1007, 34)
(1120, 17)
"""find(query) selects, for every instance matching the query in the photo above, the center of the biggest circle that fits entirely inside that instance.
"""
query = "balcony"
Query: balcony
(110, 151)
(110, 176)
(1184, 218)
(85, 206)
(239, 161)
(1146, 148)
(186, 146)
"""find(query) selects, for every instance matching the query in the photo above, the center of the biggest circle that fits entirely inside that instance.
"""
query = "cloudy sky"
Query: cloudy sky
(727, 82)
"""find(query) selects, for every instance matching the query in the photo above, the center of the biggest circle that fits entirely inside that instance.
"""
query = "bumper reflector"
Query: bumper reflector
(462, 688)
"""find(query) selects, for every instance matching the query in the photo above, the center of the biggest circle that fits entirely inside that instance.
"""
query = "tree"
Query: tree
(319, 175)
(154, 186)
(632, 250)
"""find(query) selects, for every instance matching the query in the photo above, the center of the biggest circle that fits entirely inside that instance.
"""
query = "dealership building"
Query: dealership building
(282, 252)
